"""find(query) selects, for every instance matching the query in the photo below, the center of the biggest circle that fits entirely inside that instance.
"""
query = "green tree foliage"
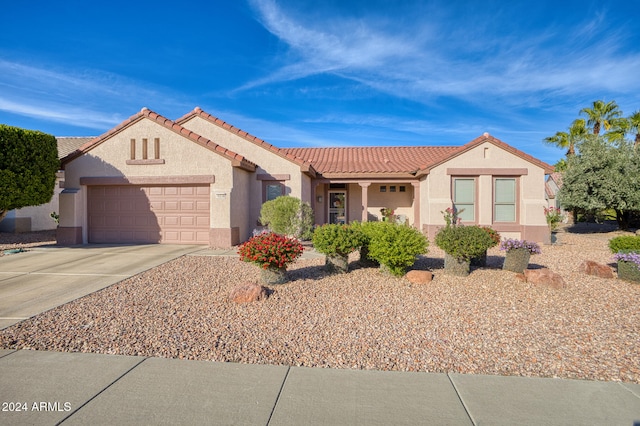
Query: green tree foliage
(569, 140)
(288, 215)
(603, 176)
(634, 127)
(28, 166)
(602, 114)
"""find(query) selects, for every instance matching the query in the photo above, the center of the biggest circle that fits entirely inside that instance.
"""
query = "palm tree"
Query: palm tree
(577, 132)
(634, 126)
(601, 115)
(618, 129)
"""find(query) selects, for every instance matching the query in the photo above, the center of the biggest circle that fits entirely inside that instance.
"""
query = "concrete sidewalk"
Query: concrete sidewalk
(81, 389)
(45, 277)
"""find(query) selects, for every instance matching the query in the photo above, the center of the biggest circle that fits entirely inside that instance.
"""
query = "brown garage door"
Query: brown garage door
(148, 214)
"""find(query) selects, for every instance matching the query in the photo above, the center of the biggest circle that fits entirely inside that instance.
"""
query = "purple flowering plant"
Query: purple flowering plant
(511, 244)
(632, 257)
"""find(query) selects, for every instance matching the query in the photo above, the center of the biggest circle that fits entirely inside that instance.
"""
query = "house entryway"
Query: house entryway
(337, 206)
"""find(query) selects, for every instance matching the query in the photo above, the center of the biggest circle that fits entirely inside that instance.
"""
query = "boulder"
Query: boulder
(590, 267)
(419, 277)
(544, 277)
(248, 292)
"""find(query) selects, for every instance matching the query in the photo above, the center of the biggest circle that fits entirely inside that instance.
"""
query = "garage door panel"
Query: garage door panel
(203, 190)
(170, 205)
(187, 221)
(136, 214)
(187, 206)
(171, 220)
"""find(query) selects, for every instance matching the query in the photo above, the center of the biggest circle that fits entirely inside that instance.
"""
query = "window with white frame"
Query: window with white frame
(464, 198)
(504, 200)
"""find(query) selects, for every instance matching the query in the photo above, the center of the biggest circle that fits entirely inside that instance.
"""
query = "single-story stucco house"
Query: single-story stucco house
(200, 180)
(38, 218)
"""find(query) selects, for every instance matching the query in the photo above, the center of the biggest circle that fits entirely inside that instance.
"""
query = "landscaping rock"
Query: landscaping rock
(248, 292)
(590, 267)
(544, 277)
(419, 277)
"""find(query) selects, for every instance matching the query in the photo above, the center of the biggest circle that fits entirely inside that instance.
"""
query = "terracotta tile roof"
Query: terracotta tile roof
(305, 165)
(414, 160)
(379, 159)
(237, 160)
(557, 177)
(66, 145)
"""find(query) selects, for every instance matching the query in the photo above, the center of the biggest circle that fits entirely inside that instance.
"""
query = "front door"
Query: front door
(338, 207)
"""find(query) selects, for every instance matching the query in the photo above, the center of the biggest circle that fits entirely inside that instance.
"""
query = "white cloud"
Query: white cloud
(84, 98)
(428, 58)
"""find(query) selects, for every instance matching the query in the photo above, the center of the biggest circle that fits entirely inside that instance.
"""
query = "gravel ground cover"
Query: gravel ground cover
(26, 240)
(487, 323)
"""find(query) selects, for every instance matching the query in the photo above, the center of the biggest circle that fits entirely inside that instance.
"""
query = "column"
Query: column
(416, 205)
(365, 199)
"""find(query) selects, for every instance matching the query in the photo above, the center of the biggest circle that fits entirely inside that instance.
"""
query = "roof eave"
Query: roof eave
(369, 175)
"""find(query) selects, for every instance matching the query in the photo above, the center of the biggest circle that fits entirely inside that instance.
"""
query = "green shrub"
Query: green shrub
(28, 166)
(394, 245)
(495, 236)
(337, 240)
(287, 215)
(625, 243)
(464, 242)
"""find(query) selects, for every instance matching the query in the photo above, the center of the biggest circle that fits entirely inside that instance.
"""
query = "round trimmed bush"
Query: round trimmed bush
(464, 242)
(625, 243)
(336, 242)
(393, 245)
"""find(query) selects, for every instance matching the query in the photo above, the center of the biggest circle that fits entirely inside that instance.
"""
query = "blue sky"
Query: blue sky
(330, 73)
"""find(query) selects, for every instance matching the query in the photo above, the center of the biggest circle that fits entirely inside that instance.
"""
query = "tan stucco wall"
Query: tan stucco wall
(241, 204)
(400, 202)
(298, 185)
(182, 157)
(435, 191)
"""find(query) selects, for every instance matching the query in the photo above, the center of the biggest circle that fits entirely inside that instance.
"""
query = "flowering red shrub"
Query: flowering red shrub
(270, 250)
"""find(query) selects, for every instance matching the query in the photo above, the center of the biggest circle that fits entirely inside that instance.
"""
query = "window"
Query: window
(464, 198)
(504, 200)
(403, 188)
(272, 190)
(392, 188)
(383, 188)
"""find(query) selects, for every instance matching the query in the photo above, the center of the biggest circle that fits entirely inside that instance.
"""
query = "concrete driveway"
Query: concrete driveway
(45, 277)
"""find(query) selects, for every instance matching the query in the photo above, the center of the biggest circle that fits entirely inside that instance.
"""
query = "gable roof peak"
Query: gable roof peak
(236, 159)
(305, 166)
(486, 134)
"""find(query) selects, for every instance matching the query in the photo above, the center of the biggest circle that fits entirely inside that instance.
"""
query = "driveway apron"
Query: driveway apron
(42, 278)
